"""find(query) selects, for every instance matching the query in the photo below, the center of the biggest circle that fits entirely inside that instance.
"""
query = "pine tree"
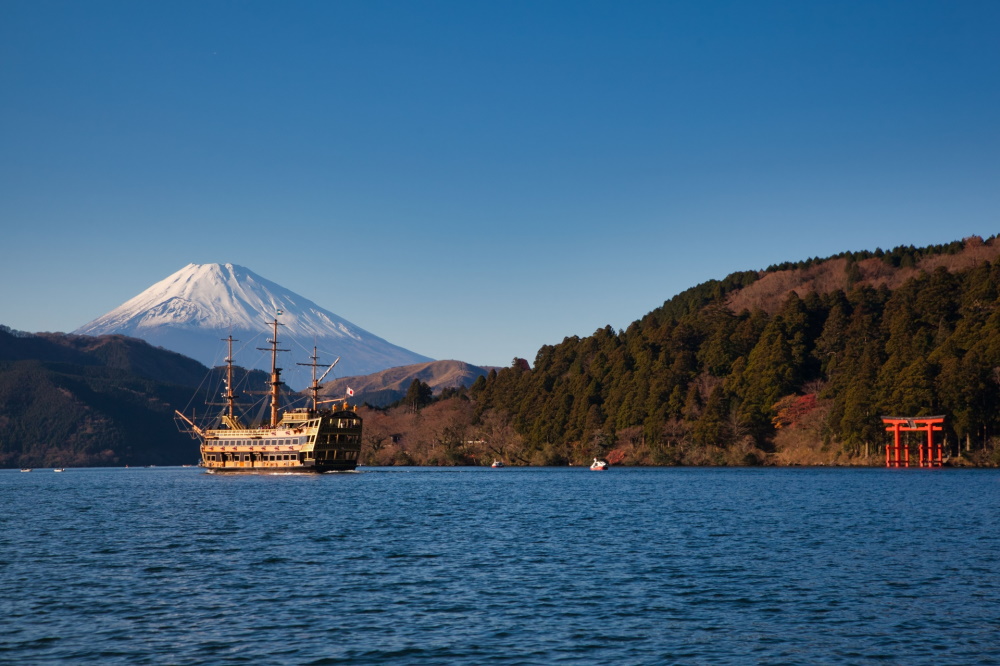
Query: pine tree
(418, 396)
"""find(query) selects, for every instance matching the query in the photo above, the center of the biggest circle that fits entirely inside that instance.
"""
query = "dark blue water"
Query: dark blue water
(510, 566)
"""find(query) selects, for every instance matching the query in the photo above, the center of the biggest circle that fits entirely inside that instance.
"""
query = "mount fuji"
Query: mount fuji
(190, 311)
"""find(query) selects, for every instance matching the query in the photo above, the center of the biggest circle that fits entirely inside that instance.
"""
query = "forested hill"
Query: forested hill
(69, 400)
(793, 364)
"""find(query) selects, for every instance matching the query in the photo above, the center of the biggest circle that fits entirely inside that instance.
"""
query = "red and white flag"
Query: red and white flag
(350, 391)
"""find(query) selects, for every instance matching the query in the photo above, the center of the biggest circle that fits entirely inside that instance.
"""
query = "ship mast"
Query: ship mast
(315, 386)
(275, 372)
(230, 396)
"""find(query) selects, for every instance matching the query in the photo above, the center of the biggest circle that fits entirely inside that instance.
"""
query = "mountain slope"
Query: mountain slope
(131, 355)
(81, 401)
(875, 269)
(189, 311)
(383, 388)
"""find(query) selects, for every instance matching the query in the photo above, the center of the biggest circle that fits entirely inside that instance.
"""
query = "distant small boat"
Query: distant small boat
(599, 465)
(25, 469)
(59, 469)
(497, 463)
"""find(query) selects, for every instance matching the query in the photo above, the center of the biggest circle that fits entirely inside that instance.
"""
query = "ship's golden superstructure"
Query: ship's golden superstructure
(297, 440)
(303, 441)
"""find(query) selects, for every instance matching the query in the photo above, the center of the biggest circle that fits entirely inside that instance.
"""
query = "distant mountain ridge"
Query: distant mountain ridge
(388, 386)
(875, 269)
(189, 311)
(130, 355)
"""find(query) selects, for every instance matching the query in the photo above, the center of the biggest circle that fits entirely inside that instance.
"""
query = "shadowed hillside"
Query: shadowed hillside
(70, 400)
(133, 356)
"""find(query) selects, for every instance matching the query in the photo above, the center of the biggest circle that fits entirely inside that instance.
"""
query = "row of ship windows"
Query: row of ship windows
(336, 455)
(337, 439)
(294, 441)
(251, 457)
(278, 457)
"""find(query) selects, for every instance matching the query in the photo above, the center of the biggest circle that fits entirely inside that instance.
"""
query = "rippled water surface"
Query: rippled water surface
(508, 566)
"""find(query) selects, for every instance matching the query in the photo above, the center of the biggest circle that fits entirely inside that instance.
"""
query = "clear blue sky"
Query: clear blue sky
(473, 180)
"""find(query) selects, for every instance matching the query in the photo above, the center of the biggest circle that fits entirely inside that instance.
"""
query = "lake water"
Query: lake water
(507, 566)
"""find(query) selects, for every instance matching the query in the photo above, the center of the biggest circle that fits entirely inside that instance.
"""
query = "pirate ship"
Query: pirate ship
(294, 440)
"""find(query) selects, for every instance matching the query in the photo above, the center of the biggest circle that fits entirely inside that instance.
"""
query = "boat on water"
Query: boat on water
(497, 463)
(599, 465)
(59, 469)
(310, 439)
(25, 469)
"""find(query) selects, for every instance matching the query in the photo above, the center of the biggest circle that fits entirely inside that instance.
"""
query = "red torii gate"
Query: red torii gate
(898, 455)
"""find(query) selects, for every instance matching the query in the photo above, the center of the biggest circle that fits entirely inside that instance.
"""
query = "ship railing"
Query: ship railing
(253, 432)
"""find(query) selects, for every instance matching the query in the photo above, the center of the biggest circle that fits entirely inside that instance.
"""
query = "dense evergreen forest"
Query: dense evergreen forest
(795, 364)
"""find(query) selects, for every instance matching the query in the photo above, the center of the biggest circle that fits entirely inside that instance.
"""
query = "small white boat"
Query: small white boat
(25, 469)
(599, 465)
(59, 469)
(497, 463)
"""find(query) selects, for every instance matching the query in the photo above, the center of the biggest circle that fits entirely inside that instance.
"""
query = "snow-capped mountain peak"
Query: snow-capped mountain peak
(190, 310)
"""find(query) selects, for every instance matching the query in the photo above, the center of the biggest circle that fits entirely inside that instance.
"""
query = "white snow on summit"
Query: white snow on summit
(189, 312)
